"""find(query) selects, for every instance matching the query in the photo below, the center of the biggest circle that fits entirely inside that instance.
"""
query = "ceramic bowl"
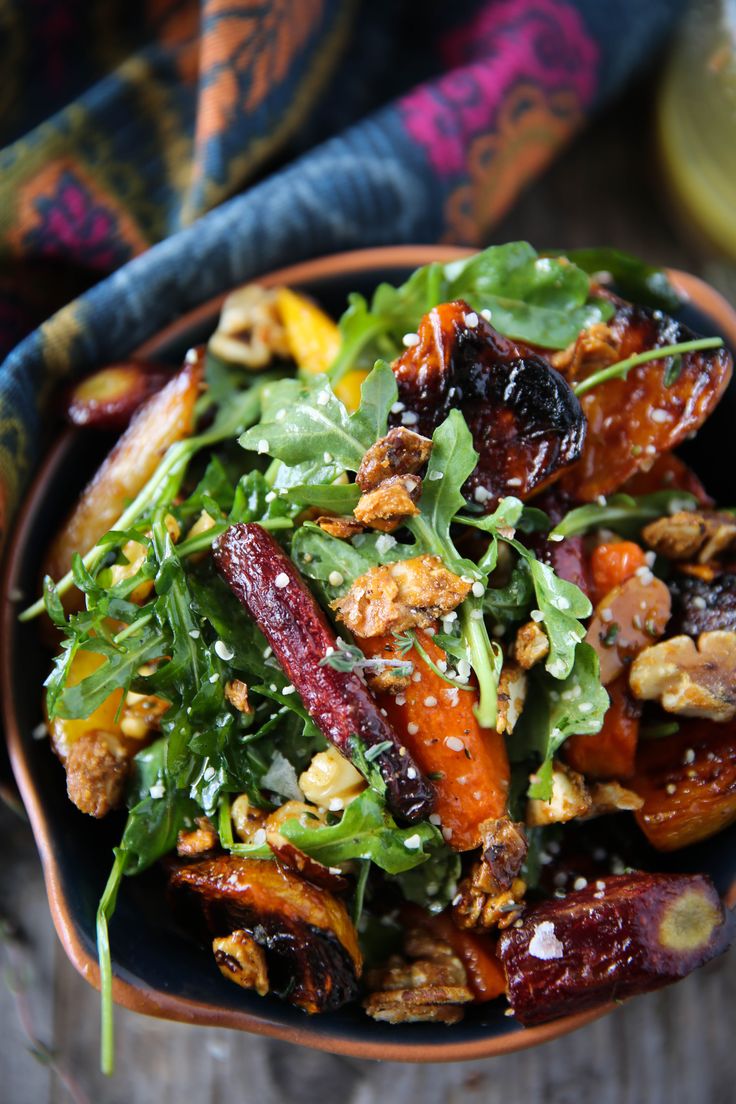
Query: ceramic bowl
(158, 969)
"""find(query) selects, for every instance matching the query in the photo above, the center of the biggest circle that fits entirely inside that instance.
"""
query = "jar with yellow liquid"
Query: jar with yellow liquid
(696, 122)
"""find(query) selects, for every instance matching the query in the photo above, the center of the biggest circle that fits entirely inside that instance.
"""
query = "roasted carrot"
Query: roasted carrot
(668, 473)
(611, 752)
(486, 979)
(612, 564)
(436, 722)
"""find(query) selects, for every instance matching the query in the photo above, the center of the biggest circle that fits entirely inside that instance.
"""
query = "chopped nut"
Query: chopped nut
(428, 985)
(596, 347)
(691, 534)
(236, 693)
(246, 817)
(330, 775)
(200, 839)
(612, 797)
(531, 645)
(512, 686)
(241, 960)
(390, 503)
(693, 682)
(400, 452)
(97, 767)
(341, 527)
(250, 331)
(487, 896)
(570, 798)
(403, 595)
(141, 714)
(388, 680)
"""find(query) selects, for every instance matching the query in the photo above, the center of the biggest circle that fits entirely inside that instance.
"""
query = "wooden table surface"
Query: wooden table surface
(673, 1047)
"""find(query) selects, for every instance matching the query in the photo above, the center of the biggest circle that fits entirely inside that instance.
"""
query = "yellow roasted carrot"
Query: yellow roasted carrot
(314, 342)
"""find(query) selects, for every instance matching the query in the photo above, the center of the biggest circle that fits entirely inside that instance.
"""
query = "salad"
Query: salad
(377, 628)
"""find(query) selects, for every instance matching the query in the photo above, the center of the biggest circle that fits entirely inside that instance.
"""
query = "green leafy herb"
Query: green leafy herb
(621, 369)
(537, 299)
(640, 282)
(623, 513)
(557, 709)
(348, 657)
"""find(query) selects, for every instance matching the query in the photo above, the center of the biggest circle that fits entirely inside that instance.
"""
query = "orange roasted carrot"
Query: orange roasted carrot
(467, 764)
(486, 979)
(610, 753)
(612, 564)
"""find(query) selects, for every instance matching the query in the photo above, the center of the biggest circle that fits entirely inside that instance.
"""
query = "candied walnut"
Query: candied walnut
(512, 686)
(250, 331)
(141, 714)
(394, 597)
(387, 680)
(236, 692)
(692, 534)
(430, 984)
(570, 798)
(390, 503)
(703, 605)
(526, 422)
(611, 797)
(504, 847)
(247, 818)
(200, 839)
(598, 345)
(341, 527)
(531, 645)
(480, 911)
(241, 960)
(97, 766)
(694, 682)
(400, 452)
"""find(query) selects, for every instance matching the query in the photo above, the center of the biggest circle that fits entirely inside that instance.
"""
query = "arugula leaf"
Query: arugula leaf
(561, 604)
(638, 281)
(557, 709)
(366, 831)
(511, 602)
(304, 418)
(118, 672)
(320, 556)
(338, 498)
(433, 884)
(623, 513)
(542, 300)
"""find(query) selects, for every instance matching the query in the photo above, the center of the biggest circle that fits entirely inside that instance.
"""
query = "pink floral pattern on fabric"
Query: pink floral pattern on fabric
(490, 57)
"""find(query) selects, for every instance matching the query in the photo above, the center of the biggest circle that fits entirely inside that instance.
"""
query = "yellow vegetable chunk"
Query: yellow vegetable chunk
(65, 732)
(314, 342)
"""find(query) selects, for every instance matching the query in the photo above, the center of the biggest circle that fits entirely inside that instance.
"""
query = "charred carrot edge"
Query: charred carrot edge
(266, 583)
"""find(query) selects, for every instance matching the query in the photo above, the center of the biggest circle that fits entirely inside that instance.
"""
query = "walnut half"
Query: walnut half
(428, 985)
(691, 534)
(688, 680)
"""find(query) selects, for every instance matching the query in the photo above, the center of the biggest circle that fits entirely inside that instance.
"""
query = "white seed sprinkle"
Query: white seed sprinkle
(585, 707)
(580, 883)
(689, 756)
(480, 494)
(336, 804)
(385, 543)
(39, 732)
(434, 476)
(478, 589)
(191, 357)
(476, 615)
(416, 677)
(410, 339)
(430, 701)
(434, 818)
(215, 677)
(270, 496)
(194, 633)
(262, 446)
(537, 615)
(644, 573)
(412, 728)
(485, 313)
(288, 690)
(281, 580)
(606, 614)
(400, 699)
(699, 602)
(555, 537)
(323, 398)
(397, 408)
(544, 943)
(157, 790)
(471, 319)
(454, 743)
(411, 773)
(447, 833)
(259, 837)
(658, 415)
(223, 651)
(413, 843)
(335, 579)
(327, 457)
(515, 481)
(409, 418)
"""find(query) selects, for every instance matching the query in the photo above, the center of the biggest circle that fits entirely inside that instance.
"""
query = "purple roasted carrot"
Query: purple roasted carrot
(265, 581)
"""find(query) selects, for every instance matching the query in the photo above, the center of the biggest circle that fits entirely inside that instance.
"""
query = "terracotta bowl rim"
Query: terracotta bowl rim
(159, 1003)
